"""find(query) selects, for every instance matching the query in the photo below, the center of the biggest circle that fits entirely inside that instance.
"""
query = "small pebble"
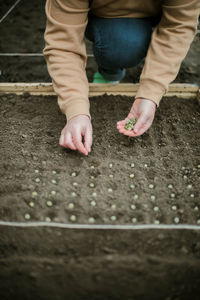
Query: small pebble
(172, 195)
(75, 184)
(31, 204)
(27, 216)
(110, 190)
(151, 186)
(134, 220)
(93, 203)
(196, 208)
(135, 197)
(73, 174)
(156, 208)
(73, 194)
(94, 194)
(49, 203)
(72, 218)
(131, 175)
(37, 179)
(132, 186)
(132, 165)
(113, 218)
(156, 222)
(91, 220)
(34, 193)
(53, 181)
(53, 193)
(189, 186)
(71, 205)
(153, 197)
(170, 186)
(133, 206)
(47, 219)
(174, 207)
(54, 172)
(110, 166)
(176, 220)
(110, 176)
(91, 184)
(113, 206)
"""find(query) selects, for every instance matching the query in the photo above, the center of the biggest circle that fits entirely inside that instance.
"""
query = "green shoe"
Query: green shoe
(98, 78)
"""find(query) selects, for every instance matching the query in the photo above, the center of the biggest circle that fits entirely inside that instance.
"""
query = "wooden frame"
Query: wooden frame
(127, 89)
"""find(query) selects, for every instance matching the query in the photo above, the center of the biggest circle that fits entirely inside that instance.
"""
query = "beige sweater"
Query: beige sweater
(65, 50)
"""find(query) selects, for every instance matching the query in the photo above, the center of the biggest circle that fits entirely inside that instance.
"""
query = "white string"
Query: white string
(101, 226)
(10, 9)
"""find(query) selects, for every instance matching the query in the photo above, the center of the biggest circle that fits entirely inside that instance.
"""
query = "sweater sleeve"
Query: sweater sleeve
(169, 45)
(65, 54)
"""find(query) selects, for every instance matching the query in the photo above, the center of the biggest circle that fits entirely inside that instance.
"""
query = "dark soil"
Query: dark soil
(22, 31)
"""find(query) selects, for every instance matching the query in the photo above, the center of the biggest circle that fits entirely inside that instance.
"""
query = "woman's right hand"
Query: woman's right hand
(71, 135)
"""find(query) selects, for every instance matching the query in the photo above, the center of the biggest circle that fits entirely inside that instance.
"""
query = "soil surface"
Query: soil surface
(22, 31)
(47, 182)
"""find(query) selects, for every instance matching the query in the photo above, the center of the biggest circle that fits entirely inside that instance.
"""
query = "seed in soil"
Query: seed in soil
(110, 176)
(145, 165)
(113, 206)
(133, 207)
(37, 179)
(92, 167)
(73, 174)
(53, 193)
(113, 218)
(129, 125)
(54, 172)
(153, 197)
(37, 171)
(156, 208)
(34, 194)
(71, 205)
(27, 216)
(135, 197)
(49, 203)
(185, 177)
(151, 186)
(172, 195)
(134, 220)
(198, 167)
(189, 186)
(91, 184)
(53, 181)
(156, 222)
(132, 165)
(75, 184)
(91, 220)
(170, 186)
(72, 218)
(132, 176)
(198, 221)
(192, 195)
(73, 194)
(91, 177)
(174, 207)
(196, 208)
(110, 166)
(93, 203)
(132, 186)
(31, 204)
(110, 190)
(176, 220)
(47, 219)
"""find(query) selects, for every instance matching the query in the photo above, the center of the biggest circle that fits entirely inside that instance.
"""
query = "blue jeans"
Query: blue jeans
(119, 43)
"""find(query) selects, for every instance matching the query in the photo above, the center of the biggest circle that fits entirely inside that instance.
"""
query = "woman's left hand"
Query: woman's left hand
(143, 110)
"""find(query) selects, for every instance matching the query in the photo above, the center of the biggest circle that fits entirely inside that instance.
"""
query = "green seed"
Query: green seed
(151, 186)
(189, 186)
(110, 166)
(145, 165)
(92, 167)
(132, 186)
(192, 195)
(91, 220)
(36, 171)
(156, 208)
(93, 203)
(156, 222)
(37, 180)
(174, 207)
(133, 206)
(132, 165)
(94, 194)
(54, 172)
(172, 195)
(53, 193)
(91, 184)
(71, 205)
(73, 174)
(72, 218)
(75, 184)
(113, 206)
(34, 193)
(183, 168)
(153, 197)
(198, 167)
(170, 186)
(134, 220)
(110, 176)
(176, 220)
(49, 203)
(27, 216)
(110, 190)
(31, 204)
(47, 219)
(132, 176)
(113, 218)
(198, 221)
(91, 177)
(196, 208)
(73, 194)
(185, 177)
(135, 197)
(53, 181)
(129, 125)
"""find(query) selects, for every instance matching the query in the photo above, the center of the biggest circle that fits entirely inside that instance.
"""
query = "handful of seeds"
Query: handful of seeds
(129, 125)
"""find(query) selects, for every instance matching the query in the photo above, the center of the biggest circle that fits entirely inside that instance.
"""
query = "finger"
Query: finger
(69, 142)
(88, 139)
(140, 123)
(62, 139)
(77, 140)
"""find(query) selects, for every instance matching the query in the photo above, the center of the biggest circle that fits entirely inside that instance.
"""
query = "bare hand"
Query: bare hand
(143, 110)
(71, 135)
